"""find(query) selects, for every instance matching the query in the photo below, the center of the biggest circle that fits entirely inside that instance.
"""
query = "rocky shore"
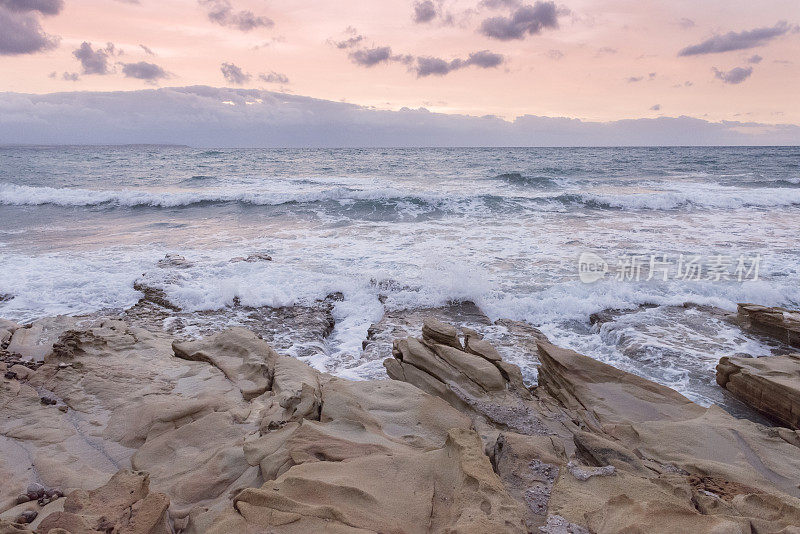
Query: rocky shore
(108, 425)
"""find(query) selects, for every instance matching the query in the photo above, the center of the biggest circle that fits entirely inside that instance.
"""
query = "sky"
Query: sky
(733, 63)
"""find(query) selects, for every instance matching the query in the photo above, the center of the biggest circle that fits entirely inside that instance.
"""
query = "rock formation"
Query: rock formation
(771, 385)
(144, 434)
(780, 323)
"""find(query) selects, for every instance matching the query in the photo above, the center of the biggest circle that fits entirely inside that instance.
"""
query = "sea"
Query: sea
(633, 256)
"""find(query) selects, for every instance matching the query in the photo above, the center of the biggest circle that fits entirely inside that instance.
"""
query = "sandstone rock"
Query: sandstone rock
(125, 505)
(245, 359)
(35, 341)
(435, 331)
(770, 384)
(781, 323)
(450, 489)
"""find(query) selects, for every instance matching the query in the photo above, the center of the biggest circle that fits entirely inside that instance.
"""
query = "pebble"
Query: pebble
(27, 517)
(47, 401)
(10, 375)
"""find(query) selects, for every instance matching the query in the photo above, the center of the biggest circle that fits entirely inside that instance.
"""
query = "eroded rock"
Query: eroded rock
(770, 384)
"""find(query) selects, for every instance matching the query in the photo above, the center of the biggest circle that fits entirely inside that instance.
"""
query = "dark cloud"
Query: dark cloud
(204, 116)
(428, 66)
(20, 31)
(369, 57)
(273, 77)
(525, 20)
(143, 70)
(484, 59)
(634, 79)
(234, 75)
(733, 76)
(739, 40)
(656, 107)
(221, 12)
(147, 50)
(686, 23)
(754, 59)
(45, 7)
(424, 11)
(95, 61)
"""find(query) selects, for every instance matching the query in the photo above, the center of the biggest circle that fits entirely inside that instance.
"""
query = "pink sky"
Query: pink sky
(580, 69)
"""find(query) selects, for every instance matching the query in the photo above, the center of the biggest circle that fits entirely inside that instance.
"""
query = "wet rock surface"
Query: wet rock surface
(227, 434)
(770, 384)
(781, 323)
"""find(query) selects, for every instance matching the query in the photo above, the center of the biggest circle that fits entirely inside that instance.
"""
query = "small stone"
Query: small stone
(48, 401)
(34, 488)
(585, 472)
(10, 375)
(26, 517)
(63, 408)
(22, 498)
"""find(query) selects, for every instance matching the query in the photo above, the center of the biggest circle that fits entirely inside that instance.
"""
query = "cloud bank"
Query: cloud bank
(208, 116)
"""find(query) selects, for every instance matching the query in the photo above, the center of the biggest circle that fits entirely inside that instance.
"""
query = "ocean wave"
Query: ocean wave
(349, 198)
(717, 198)
(516, 178)
(687, 197)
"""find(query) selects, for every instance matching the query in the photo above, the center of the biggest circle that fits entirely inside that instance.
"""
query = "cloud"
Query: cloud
(143, 70)
(349, 42)
(147, 50)
(484, 59)
(739, 40)
(66, 76)
(424, 11)
(686, 23)
(45, 7)
(733, 76)
(224, 117)
(369, 57)
(525, 20)
(273, 77)
(656, 107)
(221, 12)
(427, 66)
(95, 61)
(499, 4)
(20, 31)
(754, 59)
(634, 79)
(234, 75)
